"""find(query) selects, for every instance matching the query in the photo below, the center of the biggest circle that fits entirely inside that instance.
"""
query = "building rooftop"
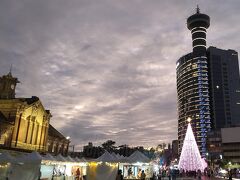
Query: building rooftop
(55, 133)
(230, 135)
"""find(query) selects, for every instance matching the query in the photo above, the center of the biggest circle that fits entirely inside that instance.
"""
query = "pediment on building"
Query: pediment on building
(36, 105)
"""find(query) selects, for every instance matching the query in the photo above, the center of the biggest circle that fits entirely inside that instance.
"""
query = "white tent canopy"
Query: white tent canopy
(69, 159)
(106, 157)
(48, 157)
(114, 155)
(82, 160)
(5, 157)
(137, 156)
(60, 158)
(76, 159)
(33, 157)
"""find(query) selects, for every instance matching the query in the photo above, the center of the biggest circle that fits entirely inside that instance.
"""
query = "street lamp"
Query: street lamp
(229, 165)
(72, 146)
(209, 159)
(68, 142)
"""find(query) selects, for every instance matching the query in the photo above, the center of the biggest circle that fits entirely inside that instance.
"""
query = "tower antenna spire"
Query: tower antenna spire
(10, 70)
(198, 9)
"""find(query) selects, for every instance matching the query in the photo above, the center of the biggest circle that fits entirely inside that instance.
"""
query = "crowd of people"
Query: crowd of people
(141, 175)
(172, 174)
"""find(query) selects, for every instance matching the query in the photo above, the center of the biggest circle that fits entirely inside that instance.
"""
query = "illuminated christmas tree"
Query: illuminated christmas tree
(190, 159)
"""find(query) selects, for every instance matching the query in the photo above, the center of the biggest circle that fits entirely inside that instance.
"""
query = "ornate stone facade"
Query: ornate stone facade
(24, 122)
(30, 120)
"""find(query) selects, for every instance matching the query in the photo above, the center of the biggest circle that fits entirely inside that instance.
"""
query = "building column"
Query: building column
(18, 128)
(36, 140)
(33, 126)
(40, 142)
(26, 138)
(45, 138)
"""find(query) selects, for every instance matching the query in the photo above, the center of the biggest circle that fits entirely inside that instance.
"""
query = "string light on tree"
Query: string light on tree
(190, 158)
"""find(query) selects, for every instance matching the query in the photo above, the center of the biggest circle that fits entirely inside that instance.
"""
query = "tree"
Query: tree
(109, 145)
(190, 158)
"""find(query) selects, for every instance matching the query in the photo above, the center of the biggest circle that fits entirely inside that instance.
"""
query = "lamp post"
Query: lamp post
(209, 159)
(73, 146)
(68, 142)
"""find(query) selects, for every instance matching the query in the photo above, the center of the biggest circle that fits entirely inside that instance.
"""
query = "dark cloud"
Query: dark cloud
(107, 70)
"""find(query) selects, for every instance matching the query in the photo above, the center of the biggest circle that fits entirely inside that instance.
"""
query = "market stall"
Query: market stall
(134, 165)
(72, 169)
(59, 168)
(104, 167)
(47, 167)
(79, 167)
(27, 166)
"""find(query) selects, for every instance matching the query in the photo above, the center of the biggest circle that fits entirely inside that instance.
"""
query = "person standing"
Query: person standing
(199, 174)
(230, 175)
(39, 173)
(119, 175)
(78, 174)
(139, 173)
(143, 175)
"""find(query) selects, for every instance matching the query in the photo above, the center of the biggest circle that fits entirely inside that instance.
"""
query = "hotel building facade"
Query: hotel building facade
(201, 75)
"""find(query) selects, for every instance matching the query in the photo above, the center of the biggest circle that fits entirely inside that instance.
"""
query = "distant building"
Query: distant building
(214, 144)
(175, 149)
(90, 151)
(24, 122)
(231, 144)
(224, 143)
(125, 150)
(224, 86)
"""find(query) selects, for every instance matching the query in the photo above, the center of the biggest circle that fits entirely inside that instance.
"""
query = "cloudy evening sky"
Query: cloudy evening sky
(106, 68)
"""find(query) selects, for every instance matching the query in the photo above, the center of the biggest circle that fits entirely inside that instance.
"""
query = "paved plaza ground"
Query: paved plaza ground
(203, 178)
(189, 178)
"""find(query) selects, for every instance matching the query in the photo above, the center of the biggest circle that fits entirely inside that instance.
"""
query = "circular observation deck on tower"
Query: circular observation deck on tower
(198, 20)
(198, 24)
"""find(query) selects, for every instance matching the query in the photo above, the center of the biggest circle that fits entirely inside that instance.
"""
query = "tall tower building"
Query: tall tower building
(208, 85)
(224, 81)
(192, 84)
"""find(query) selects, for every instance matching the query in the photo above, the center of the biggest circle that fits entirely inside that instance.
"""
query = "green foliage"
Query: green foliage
(109, 145)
